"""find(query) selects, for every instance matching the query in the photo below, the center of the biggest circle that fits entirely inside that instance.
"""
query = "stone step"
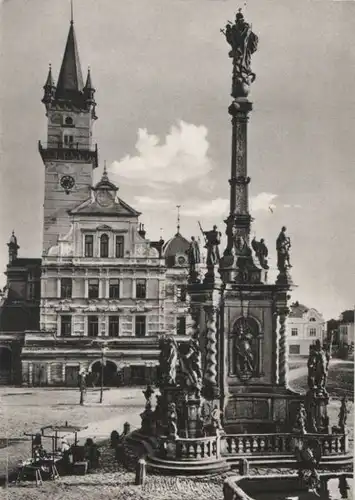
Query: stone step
(202, 467)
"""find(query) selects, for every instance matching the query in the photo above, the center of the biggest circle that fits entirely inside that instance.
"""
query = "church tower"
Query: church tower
(69, 156)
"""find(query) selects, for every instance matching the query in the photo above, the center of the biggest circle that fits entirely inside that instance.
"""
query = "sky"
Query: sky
(163, 80)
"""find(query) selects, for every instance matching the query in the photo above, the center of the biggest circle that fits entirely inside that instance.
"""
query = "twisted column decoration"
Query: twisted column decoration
(193, 322)
(282, 348)
(210, 375)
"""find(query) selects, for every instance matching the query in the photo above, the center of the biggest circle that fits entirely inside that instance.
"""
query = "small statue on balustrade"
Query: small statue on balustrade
(213, 240)
(193, 254)
(308, 454)
(317, 364)
(190, 363)
(216, 420)
(300, 420)
(343, 414)
(172, 421)
(261, 252)
(168, 358)
(283, 245)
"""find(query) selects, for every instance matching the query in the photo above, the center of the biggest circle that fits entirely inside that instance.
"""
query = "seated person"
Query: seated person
(92, 453)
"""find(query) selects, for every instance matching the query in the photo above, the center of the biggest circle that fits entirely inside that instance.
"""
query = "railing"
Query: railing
(204, 448)
(74, 151)
(261, 444)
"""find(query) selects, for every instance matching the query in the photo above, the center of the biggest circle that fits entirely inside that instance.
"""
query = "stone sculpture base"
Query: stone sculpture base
(317, 414)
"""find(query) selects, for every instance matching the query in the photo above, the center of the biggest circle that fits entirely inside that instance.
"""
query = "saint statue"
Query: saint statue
(245, 355)
(168, 357)
(243, 44)
(283, 245)
(261, 252)
(213, 239)
(343, 414)
(193, 254)
(172, 421)
(190, 363)
(317, 366)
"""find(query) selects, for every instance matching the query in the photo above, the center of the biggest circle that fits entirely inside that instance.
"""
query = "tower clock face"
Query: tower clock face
(67, 182)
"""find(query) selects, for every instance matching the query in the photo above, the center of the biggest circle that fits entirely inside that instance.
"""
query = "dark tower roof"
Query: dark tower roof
(70, 82)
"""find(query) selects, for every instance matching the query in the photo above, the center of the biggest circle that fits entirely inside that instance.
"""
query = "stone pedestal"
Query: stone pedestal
(193, 408)
(317, 414)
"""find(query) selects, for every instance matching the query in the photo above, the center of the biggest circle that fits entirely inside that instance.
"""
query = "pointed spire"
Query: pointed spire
(71, 12)
(104, 174)
(49, 88)
(178, 219)
(88, 84)
(49, 82)
(13, 247)
(70, 81)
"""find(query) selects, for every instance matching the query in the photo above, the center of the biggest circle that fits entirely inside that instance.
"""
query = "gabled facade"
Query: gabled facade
(304, 326)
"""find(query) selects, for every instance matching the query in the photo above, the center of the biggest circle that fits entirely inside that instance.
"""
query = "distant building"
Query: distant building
(346, 328)
(304, 326)
(19, 310)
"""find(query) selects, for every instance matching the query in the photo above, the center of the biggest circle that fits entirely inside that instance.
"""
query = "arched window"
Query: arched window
(69, 120)
(104, 245)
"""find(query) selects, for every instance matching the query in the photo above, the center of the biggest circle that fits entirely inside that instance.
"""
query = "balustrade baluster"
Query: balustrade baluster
(214, 448)
(254, 444)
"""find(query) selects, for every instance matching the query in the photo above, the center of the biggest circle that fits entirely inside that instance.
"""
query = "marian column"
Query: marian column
(237, 263)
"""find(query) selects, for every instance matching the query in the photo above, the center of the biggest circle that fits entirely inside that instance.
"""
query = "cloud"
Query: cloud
(151, 203)
(292, 206)
(209, 208)
(182, 156)
(262, 201)
(220, 206)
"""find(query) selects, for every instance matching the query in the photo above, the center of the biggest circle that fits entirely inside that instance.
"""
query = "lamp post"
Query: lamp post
(103, 362)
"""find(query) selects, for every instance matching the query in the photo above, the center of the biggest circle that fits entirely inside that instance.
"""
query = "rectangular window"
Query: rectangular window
(294, 332)
(31, 287)
(312, 332)
(89, 245)
(181, 293)
(68, 141)
(93, 288)
(119, 247)
(140, 326)
(65, 326)
(113, 326)
(93, 326)
(66, 288)
(114, 289)
(294, 349)
(181, 325)
(141, 289)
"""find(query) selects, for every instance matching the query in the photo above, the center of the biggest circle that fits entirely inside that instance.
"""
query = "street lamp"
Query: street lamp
(103, 363)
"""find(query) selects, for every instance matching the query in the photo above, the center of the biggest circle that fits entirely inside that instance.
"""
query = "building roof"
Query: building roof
(347, 316)
(23, 262)
(70, 81)
(105, 201)
(297, 310)
(176, 245)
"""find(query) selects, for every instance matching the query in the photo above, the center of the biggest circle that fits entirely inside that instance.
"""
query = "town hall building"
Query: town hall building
(104, 292)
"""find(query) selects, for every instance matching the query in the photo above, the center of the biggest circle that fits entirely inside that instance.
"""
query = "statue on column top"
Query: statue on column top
(213, 240)
(261, 252)
(283, 245)
(244, 43)
(193, 254)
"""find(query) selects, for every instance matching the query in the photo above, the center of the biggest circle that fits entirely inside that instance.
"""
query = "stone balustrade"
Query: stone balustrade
(204, 448)
(281, 443)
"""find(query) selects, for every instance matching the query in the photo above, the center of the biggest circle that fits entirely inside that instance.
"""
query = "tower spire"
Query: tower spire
(178, 219)
(71, 12)
(70, 81)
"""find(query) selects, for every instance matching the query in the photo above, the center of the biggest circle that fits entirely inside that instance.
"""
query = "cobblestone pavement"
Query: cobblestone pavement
(114, 482)
(26, 410)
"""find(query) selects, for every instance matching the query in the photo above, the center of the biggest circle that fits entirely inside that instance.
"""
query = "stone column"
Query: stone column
(30, 373)
(63, 372)
(193, 322)
(282, 348)
(58, 288)
(210, 377)
(48, 373)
